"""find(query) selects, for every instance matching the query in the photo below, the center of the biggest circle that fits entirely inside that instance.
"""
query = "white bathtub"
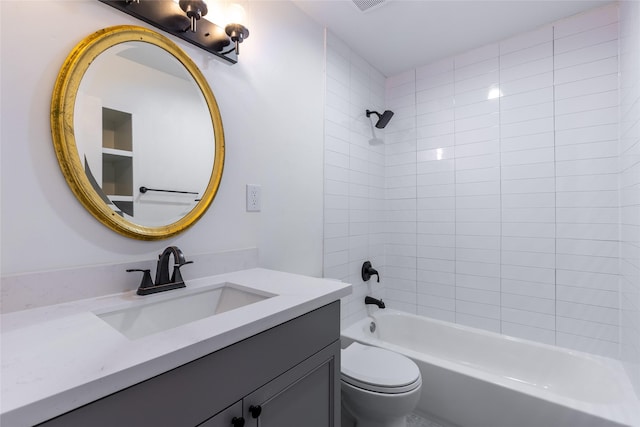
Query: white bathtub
(475, 378)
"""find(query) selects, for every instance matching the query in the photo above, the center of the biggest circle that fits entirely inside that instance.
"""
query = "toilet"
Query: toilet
(379, 387)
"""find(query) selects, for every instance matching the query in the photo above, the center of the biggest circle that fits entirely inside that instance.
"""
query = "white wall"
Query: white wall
(516, 198)
(271, 105)
(354, 175)
(630, 189)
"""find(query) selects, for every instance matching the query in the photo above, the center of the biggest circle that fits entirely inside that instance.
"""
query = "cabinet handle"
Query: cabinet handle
(237, 422)
(255, 410)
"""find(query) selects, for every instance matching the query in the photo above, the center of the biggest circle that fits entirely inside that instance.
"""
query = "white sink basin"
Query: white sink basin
(180, 308)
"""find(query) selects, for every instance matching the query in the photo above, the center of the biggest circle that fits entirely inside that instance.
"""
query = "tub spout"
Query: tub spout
(371, 300)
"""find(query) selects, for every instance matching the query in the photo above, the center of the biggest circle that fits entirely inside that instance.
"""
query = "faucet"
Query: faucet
(163, 282)
(367, 271)
(162, 271)
(371, 300)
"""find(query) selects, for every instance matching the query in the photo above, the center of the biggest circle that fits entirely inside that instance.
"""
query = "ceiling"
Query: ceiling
(398, 35)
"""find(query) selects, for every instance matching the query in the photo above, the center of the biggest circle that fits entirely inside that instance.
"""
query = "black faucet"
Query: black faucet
(163, 282)
(368, 271)
(371, 300)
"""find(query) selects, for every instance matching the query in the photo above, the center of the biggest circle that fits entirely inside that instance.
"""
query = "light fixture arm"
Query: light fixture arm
(195, 10)
(237, 33)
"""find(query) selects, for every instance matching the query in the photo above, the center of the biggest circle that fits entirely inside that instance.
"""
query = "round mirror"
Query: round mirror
(137, 132)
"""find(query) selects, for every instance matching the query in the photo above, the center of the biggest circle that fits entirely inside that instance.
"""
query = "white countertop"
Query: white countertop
(60, 357)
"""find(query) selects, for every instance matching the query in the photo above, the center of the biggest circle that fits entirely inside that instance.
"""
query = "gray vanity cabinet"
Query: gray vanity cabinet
(287, 376)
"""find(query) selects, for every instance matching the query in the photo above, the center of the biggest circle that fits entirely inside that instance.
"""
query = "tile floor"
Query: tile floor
(414, 420)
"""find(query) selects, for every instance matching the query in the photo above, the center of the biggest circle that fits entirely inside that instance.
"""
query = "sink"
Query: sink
(173, 310)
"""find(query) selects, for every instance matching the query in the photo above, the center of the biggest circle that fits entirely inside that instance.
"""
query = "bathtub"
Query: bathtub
(475, 378)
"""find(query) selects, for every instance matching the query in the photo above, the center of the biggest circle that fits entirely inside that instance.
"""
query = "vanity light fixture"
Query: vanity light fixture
(185, 19)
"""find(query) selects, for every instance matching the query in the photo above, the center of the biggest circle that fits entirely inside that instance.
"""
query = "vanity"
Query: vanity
(272, 360)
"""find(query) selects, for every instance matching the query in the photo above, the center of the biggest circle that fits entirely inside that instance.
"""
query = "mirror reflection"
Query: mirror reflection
(144, 133)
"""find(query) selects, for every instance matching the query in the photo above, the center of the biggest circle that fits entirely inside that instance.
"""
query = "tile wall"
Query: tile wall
(354, 174)
(630, 189)
(501, 184)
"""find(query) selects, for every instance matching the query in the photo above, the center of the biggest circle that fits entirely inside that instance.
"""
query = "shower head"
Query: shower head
(383, 118)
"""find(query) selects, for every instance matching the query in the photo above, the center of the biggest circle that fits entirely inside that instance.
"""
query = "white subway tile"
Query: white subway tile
(587, 199)
(438, 314)
(477, 188)
(436, 154)
(486, 81)
(528, 289)
(476, 55)
(437, 178)
(476, 175)
(439, 141)
(587, 38)
(529, 303)
(480, 322)
(524, 114)
(435, 68)
(529, 186)
(587, 247)
(527, 142)
(587, 86)
(478, 162)
(527, 84)
(528, 259)
(585, 328)
(587, 134)
(538, 200)
(606, 165)
(526, 55)
(529, 332)
(589, 70)
(529, 318)
(478, 202)
(534, 274)
(477, 215)
(477, 69)
(477, 269)
(477, 122)
(477, 309)
(477, 135)
(601, 281)
(528, 244)
(435, 117)
(587, 296)
(477, 242)
(587, 231)
(447, 266)
(525, 40)
(526, 69)
(603, 116)
(540, 155)
(528, 214)
(433, 301)
(477, 255)
(587, 102)
(587, 263)
(576, 342)
(478, 282)
(424, 286)
(476, 109)
(523, 99)
(477, 296)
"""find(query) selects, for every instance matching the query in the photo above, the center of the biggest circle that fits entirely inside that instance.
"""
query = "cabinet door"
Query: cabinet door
(307, 395)
(229, 417)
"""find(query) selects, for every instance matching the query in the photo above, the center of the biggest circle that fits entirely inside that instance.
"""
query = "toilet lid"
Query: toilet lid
(378, 369)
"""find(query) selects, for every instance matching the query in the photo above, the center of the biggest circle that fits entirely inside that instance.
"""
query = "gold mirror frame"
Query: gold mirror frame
(62, 130)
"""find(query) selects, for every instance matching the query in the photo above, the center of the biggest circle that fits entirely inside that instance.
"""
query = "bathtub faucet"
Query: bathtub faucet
(368, 271)
(371, 300)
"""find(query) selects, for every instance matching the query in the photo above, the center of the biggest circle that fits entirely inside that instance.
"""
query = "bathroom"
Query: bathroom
(281, 134)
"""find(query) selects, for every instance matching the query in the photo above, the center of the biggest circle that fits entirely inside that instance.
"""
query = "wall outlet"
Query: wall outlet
(254, 198)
